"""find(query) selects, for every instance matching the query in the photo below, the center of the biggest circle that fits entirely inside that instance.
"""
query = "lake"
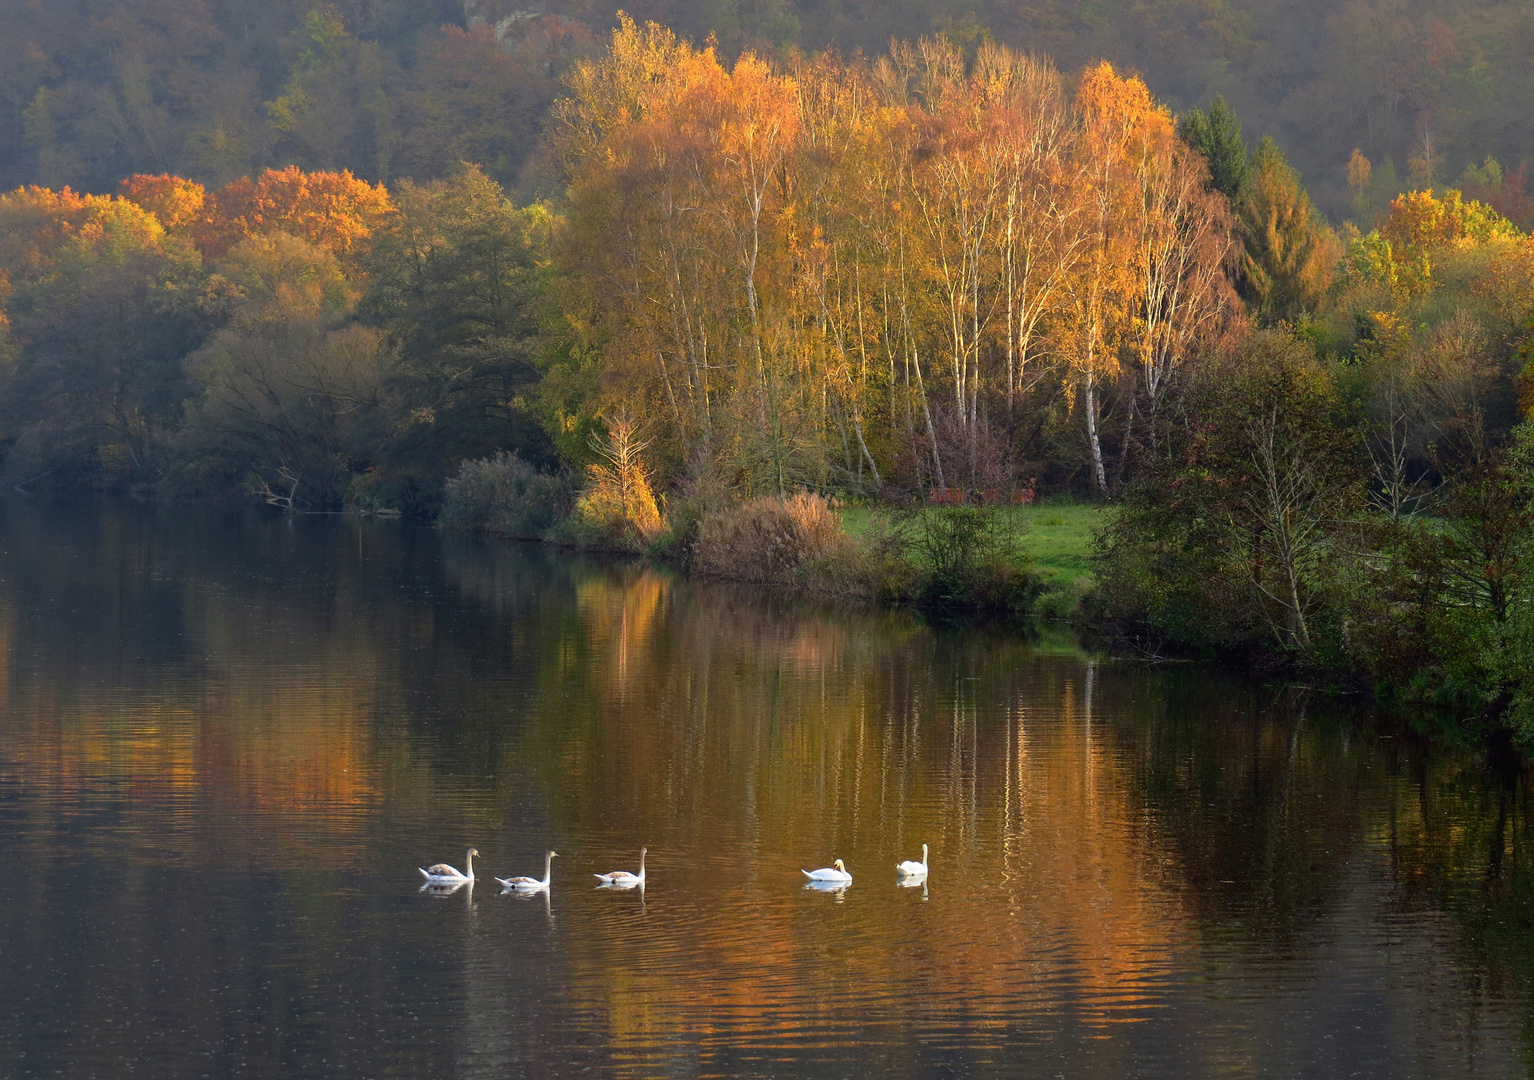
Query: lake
(229, 738)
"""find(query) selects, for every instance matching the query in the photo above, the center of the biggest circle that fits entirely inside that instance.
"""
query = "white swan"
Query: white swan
(914, 869)
(622, 878)
(528, 883)
(441, 872)
(835, 872)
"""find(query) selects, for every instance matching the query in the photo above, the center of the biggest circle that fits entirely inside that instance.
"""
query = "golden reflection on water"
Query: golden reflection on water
(1109, 851)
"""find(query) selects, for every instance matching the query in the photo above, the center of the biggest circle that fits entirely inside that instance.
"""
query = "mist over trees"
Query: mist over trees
(1425, 90)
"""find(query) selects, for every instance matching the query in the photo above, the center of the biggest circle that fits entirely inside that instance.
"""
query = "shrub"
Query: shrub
(875, 565)
(701, 493)
(970, 558)
(1459, 626)
(504, 495)
(769, 539)
(1239, 535)
(1061, 602)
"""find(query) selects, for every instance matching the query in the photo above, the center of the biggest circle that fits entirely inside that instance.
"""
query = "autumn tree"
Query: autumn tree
(1186, 251)
(1121, 128)
(859, 270)
(100, 312)
(179, 205)
(334, 209)
(676, 193)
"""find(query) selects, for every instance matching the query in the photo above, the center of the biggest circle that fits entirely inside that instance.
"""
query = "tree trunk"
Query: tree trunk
(1099, 474)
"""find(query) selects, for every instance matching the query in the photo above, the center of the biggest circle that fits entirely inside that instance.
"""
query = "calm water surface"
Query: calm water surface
(227, 740)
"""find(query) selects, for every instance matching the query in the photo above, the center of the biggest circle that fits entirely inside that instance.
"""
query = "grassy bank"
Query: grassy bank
(1055, 533)
(994, 562)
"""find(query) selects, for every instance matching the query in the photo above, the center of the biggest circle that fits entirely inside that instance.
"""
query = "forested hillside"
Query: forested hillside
(538, 273)
(214, 89)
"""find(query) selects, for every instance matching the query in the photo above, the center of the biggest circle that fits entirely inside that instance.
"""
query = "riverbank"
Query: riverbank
(958, 560)
(1056, 534)
(1178, 568)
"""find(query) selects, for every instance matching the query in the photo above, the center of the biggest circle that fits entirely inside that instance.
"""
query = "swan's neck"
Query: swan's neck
(924, 854)
(641, 864)
(548, 867)
(469, 859)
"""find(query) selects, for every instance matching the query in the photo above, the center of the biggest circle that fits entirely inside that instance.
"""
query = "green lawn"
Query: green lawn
(1057, 534)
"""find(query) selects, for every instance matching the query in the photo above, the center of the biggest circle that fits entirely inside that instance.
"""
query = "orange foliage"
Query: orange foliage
(864, 255)
(1419, 219)
(177, 203)
(333, 210)
(37, 224)
(34, 220)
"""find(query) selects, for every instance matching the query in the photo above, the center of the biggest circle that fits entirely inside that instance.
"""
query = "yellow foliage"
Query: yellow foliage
(619, 499)
(177, 203)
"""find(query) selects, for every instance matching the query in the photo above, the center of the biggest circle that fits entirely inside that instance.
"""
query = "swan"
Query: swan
(441, 872)
(623, 878)
(835, 872)
(914, 869)
(527, 884)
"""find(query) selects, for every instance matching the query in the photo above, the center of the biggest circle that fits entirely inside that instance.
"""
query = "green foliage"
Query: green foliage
(1217, 135)
(1368, 260)
(99, 323)
(456, 284)
(293, 398)
(334, 110)
(1464, 593)
(507, 496)
(1289, 252)
(1238, 535)
(970, 558)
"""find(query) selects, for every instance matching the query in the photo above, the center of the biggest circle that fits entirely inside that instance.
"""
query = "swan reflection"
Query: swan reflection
(623, 886)
(837, 887)
(912, 882)
(531, 894)
(443, 889)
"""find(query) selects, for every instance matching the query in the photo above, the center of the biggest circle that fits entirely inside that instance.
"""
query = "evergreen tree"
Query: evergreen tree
(1217, 135)
(1290, 251)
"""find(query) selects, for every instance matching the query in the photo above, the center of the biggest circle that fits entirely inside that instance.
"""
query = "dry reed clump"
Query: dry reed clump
(619, 501)
(770, 539)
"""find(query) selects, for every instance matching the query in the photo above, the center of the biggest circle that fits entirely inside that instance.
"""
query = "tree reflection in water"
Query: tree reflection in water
(253, 728)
